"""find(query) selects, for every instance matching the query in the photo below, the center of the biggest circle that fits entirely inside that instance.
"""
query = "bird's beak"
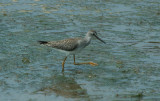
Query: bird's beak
(99, 39)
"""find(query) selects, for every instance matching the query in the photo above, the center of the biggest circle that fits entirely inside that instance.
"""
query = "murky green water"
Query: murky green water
(129, 65)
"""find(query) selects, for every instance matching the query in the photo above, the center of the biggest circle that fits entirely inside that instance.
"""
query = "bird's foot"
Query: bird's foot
(93, 64)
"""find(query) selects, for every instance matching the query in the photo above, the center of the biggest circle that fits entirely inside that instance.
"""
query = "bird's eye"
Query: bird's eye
(94, 33)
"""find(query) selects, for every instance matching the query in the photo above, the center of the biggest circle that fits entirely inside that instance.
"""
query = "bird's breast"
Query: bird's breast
(83, 43)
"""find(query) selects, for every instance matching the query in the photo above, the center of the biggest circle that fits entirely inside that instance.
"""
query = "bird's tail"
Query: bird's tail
(43, 42)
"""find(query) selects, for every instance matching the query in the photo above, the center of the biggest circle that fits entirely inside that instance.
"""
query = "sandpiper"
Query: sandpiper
(72, 46)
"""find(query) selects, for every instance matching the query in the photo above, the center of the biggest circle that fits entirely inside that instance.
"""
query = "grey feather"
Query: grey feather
(67, 44)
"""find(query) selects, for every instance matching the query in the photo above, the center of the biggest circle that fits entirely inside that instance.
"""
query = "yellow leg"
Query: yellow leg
(63, 63)
(91, 63)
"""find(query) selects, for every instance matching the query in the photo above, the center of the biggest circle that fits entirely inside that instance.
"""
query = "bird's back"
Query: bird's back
(66, 44)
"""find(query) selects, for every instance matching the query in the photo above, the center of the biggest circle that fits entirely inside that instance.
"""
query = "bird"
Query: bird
(72, 46)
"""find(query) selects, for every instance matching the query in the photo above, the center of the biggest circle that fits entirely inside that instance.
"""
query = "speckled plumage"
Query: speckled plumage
(66, 44)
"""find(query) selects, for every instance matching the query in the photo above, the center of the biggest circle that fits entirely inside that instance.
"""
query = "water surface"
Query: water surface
(128, 67)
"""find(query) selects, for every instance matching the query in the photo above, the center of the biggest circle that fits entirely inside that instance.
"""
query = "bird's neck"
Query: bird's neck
(88, 38)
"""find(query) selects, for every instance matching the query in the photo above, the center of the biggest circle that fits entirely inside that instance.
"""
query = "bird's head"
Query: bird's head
(93, 33)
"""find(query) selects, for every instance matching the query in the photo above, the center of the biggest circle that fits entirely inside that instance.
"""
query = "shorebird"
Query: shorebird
(72, 46)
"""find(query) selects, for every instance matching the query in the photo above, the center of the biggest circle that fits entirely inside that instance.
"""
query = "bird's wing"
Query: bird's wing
(67, 44)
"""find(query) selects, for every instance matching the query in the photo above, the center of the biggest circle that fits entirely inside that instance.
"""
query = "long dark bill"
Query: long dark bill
(100, 39)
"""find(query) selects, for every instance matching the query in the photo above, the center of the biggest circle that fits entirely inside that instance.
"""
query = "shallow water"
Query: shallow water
(129, 65)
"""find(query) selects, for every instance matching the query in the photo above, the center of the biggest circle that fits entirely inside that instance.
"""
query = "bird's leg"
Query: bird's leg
(91, 63)
(63, 63)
